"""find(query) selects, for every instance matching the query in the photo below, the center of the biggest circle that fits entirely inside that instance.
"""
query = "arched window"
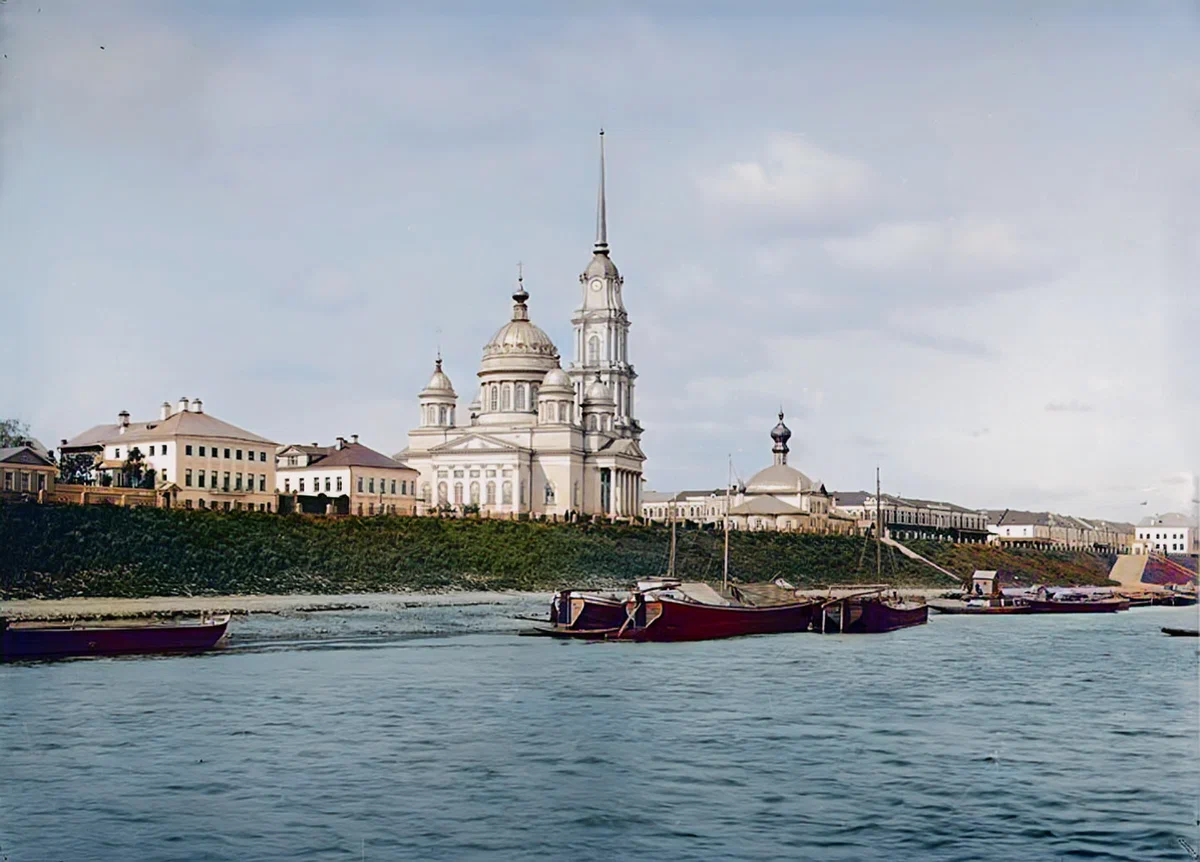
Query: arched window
(533, 394)
(442, 498)
(495, 400)
(575, 495)
(426, 493)
(592, 423)
(491, 493)
(458, 493)
(506, 397)
(519, 399)
(549, 493)
(442, 415)
(506, 494)
(474, 493)
(594, 350)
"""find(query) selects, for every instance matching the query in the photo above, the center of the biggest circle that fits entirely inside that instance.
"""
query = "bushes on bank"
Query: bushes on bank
(57, 551)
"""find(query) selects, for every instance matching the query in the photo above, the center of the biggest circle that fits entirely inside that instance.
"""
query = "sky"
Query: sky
(959, 242)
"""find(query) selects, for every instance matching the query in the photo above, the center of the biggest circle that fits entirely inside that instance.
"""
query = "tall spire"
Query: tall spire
(601, 212)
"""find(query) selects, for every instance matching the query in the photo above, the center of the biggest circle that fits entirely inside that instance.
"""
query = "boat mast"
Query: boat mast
(728, 482)
(878, 530)
(671, 560)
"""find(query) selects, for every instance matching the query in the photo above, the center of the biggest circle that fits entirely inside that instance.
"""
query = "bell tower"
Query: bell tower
(601, 346)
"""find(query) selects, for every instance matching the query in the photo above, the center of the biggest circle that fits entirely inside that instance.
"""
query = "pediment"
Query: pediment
(476, 443)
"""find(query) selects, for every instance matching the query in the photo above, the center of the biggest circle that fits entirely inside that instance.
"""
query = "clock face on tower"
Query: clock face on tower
(597, 284)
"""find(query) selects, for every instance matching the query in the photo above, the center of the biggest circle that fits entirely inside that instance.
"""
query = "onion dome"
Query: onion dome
(439, 383)
(781, 433)
(520, 337)
(556, 379)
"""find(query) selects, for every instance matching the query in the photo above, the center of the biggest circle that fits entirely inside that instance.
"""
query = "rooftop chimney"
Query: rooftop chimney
(315, 444)
(354, 439)
(165, 413)
(123, 418)
(183, 405)
(197, 406)
(341, 442)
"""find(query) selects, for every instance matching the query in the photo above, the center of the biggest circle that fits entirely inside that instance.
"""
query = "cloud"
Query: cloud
(962, 250)
(794, 183)
(1069, 407)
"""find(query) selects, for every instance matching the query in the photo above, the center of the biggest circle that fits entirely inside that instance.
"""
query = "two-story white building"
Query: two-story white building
(199, 461)
(345, 479)
(1171, 533)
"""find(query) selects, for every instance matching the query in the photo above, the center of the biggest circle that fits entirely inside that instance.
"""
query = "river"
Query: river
(436, 734)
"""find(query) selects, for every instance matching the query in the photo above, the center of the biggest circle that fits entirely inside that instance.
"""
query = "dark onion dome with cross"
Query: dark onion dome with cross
(780, 434)
(779, 478)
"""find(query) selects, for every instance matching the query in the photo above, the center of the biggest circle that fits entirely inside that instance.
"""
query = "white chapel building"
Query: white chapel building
(540, 439)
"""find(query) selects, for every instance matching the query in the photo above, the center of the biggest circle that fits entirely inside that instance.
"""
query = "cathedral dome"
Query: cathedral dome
(779, 479)
(439, 383)
(556, 378)
(520, 337)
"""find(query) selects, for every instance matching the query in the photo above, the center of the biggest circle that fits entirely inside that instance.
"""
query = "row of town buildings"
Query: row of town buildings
(780, 497)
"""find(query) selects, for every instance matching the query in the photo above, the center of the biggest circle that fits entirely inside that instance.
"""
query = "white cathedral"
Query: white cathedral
(538, 439)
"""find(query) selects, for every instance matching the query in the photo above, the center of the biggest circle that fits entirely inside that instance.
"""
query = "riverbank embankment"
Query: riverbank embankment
(65, 551)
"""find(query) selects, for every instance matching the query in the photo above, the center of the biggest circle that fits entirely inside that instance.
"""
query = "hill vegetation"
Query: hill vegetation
(52, 551)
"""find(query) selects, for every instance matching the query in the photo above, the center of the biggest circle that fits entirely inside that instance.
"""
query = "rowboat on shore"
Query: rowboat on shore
(36, 640)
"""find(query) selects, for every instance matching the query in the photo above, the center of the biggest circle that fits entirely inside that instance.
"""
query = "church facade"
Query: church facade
(539, 439)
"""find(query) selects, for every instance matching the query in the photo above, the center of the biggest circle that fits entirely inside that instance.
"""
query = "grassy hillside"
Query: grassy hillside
(57, 551)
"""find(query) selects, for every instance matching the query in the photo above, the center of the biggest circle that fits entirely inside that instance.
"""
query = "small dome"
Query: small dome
(781, 433)
(778, 479)
(439, 383)
(556, 378)
(597, 393)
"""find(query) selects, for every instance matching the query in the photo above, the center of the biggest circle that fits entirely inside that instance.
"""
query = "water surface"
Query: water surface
(436, 734)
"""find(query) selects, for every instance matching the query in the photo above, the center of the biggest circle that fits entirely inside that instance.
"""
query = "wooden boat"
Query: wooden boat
(871, 611)
(1181, 633)
(1076, 603)
(575, 610)
(670, 615)
(957, 606)
(21, 640)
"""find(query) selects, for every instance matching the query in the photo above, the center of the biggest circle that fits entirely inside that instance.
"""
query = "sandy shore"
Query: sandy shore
(113, 608)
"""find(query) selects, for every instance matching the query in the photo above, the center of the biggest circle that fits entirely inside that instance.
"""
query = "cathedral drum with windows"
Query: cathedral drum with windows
(539, 439)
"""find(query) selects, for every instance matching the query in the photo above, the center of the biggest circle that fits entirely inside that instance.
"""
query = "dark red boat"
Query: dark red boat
(21, 640)
(660, 616)
(871, 611)
(1075, 603)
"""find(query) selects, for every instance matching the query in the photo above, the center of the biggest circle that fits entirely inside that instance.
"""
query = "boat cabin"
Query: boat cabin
(985, 583)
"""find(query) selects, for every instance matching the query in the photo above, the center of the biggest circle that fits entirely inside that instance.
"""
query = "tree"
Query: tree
(133, 468)
(14, 432)
(75, 469)
(147, 479)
